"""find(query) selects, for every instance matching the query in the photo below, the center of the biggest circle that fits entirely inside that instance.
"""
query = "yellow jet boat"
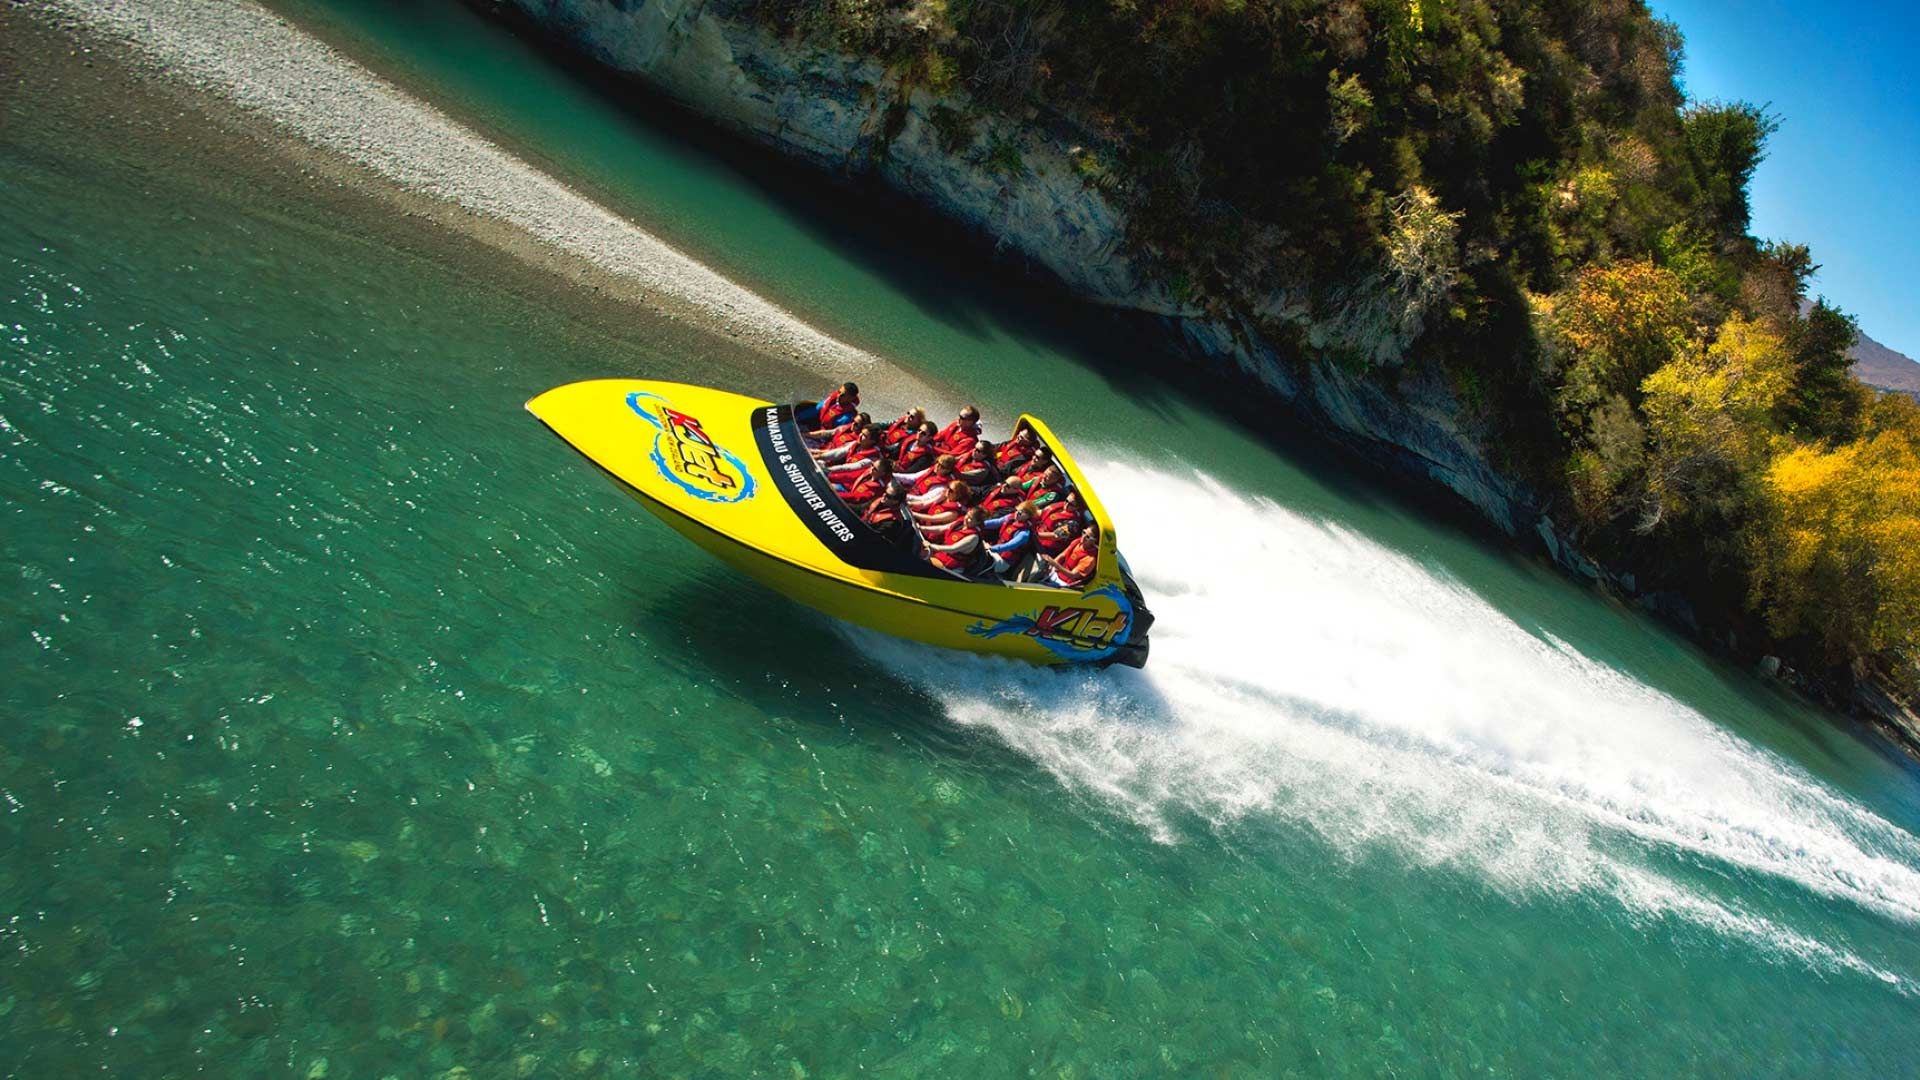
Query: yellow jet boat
(733, 475)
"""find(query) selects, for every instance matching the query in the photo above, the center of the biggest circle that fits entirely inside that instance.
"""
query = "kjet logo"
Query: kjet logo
(684, 453)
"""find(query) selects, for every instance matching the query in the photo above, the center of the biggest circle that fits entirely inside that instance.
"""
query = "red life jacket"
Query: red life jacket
(957, 438)
(1057, 512)
(978, 474)
(842, 436)
(1000, 500)
(946, 505)
(914, 455)
(929, 482)
(1011, 528)
(866, 489)
(1030, 469)
(833, 409)
(897, 432)
(957, 560)
(883, 516)
(1011, 456)
(859, 454)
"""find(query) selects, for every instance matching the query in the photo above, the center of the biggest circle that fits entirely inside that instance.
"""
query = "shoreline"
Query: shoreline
(271, 84)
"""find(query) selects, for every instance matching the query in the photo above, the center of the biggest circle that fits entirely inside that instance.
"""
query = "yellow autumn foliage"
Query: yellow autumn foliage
(1835, 553)
(1707, 416)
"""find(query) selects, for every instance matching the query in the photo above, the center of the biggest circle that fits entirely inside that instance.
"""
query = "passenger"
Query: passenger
(977, 467)
(818, 418)
(1012, 549)
(1066, 508)
(946, 510)
(925, 487)
(842, 441)
(917, 453)
(1046, 488)
(958, 437)
(1073, 568)
(1000, 501)
(1040, 462)
(862, 482)
(903, 429)
(1013, 453)
(887, 515)
(959, 549)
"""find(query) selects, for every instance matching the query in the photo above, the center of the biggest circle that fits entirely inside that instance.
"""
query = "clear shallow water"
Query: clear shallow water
(349, 717)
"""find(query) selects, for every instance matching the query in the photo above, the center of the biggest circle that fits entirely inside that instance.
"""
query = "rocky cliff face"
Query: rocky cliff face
(1023, 181)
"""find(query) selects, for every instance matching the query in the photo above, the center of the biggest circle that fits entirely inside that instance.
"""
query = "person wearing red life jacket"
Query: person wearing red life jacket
(960, 549)
(1073, 567)
(977, 467)
(1046, 488)
(1012, 548)
(858, 436)
(1000, 501)
(887, 515)
(817, 419)
(930, 486)
(903, 429)
(917, 453)
(1063, 509)
(1040, 462)
(868, 482)
(863, 450)
(840, 439)
(959, 437)
(948, 509)
(1009, 456)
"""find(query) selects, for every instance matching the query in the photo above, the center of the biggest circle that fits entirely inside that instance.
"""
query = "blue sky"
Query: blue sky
(1843, 173)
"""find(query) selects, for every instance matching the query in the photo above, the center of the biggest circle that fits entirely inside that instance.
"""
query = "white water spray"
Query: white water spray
(1304, 673)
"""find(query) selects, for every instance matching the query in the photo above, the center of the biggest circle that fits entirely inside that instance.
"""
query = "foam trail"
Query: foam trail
(1305, 673)
(272, 68)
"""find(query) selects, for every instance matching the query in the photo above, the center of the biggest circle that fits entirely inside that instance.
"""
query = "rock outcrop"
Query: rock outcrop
(1024, 183)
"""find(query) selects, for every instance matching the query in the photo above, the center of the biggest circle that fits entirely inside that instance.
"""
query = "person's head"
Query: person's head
(896, 492)
(862, 420)
(982, 451)
(1072, 497)
(849, 391)
(928, 429)
(959, 492)
(1023, 512)
(1024, 436)
(975, 516)
(1052, 476)
(915, 417)
(1042, 456)
(970, 415)
(883, 468)
(944, 464)
(866, 437)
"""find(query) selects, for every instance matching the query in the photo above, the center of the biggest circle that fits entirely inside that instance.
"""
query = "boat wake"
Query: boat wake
(1305, 674)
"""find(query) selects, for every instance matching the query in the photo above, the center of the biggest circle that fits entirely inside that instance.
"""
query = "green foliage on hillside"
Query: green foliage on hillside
(1520, 181)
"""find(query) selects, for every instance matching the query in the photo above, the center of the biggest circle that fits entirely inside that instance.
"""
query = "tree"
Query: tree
(1725, 142)
(1835, 553)
(1617, 325)
(1827, 402)
(1707, 415)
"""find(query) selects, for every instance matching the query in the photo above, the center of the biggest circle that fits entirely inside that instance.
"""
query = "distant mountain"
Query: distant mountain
(1877, 365)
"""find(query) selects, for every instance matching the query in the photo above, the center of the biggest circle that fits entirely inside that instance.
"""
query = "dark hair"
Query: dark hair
(848, 387)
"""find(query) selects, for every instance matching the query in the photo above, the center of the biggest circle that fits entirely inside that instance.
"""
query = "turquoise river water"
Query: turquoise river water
(353, 727)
